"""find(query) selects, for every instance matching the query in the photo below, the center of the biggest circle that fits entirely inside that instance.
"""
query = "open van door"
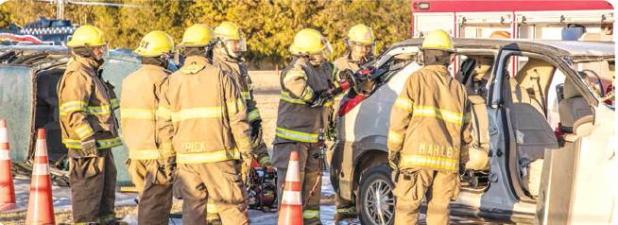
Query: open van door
(594, 185)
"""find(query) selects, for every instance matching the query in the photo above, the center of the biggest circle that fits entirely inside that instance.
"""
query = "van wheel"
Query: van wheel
(376, 200)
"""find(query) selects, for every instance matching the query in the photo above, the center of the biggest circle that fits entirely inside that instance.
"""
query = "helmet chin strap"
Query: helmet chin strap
(229, 53)
(88, 52)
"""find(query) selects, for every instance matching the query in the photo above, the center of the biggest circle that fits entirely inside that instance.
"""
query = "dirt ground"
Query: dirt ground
(267, 90)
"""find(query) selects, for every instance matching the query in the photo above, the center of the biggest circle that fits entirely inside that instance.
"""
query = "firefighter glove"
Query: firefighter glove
(89, 147)
(256, 128)
(346, 74)
(347, 79)
(320, 99)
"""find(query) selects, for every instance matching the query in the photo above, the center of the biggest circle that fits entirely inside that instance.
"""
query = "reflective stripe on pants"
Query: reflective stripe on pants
(298, 136)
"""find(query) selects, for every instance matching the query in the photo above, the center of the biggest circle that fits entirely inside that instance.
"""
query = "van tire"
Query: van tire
(372, 179)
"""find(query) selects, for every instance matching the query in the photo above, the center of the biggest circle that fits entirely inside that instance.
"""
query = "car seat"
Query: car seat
(572, 107)
(478, 158)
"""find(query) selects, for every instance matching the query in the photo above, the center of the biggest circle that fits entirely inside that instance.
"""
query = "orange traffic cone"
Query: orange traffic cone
(40, 205)
(291, 211)
(7, 189)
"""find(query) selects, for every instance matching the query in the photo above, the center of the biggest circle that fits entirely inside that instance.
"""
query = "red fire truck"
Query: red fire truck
(523, 19)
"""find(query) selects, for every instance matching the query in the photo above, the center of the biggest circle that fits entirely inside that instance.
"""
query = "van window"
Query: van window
(598, 77)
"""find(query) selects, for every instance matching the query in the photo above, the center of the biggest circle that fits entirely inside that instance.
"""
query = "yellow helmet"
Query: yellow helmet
(438, 40)
(308, 42)
(500, 34)
(362, 34)
(197, 35)
(228, 31)
(155, 43)
(86, 36)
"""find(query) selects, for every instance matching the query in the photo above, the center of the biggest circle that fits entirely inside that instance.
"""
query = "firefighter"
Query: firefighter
(202, 113)
(429, 128)
(360, 45)
(89, 128)
(301, 116)
(150, 161)
(227, 55)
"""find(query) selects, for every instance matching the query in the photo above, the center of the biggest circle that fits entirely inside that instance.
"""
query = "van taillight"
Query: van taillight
(349, 103)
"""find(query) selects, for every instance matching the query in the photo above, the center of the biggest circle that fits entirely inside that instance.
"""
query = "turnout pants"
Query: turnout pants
(339, 160)
(93, 187)
(310, 175)
(212, 214)
(260, 150)
(219, 182)
(439, 188)
(155, 198)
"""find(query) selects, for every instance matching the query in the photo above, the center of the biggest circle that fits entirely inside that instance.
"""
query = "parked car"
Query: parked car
(543, 117)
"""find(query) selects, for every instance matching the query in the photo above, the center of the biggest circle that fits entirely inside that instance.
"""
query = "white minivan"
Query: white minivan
(544, 139)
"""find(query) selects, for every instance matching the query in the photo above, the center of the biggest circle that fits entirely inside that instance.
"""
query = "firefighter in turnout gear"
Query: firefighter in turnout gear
(360, 45)
(429, 129)
(89, 128)
(302, 116)
(202, 113)
(150, 161)
(227, 55)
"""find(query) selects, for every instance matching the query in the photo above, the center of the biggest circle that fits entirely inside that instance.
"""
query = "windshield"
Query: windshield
(599, 77)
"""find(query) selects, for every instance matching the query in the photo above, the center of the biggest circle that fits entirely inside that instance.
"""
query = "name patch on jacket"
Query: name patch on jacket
(436, 150)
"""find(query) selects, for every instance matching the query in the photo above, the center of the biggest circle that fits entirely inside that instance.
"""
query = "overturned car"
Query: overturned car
(28, 101)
